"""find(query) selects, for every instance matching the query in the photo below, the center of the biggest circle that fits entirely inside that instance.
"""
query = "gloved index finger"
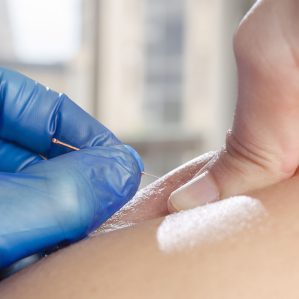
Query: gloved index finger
(33, 114)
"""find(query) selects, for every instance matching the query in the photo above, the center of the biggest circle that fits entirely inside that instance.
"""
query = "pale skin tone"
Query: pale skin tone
(263, 146)
(128, 262)
(261, 158)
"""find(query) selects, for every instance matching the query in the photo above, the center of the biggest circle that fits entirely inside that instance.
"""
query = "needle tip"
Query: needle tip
(150, 175)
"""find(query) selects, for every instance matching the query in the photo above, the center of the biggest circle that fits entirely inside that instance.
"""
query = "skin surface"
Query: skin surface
(262, 148)
(260, 260)
(125, 263)
(151, 201)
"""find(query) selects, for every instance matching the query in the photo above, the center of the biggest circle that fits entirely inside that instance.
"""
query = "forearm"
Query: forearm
(130, 262)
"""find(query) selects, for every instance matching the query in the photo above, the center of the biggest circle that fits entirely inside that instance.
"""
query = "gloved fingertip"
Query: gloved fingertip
(136, 156)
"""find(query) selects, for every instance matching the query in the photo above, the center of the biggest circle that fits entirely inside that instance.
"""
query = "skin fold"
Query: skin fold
(262, 147)
(151, 201)
(125, 259)
(128, 262)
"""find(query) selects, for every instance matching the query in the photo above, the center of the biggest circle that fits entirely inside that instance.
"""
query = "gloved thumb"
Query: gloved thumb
(234, 170)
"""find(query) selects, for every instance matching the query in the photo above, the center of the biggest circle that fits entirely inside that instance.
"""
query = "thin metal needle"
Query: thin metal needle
(150, 175)
(56, 141)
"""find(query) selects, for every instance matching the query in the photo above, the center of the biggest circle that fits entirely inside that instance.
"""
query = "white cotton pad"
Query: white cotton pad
(209, 223)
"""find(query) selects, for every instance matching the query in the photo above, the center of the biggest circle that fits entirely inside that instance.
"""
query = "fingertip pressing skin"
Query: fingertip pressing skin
(152, 201)
(262, 147)
(199, 191)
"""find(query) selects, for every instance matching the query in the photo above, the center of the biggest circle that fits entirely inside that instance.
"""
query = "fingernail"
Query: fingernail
(199, 191)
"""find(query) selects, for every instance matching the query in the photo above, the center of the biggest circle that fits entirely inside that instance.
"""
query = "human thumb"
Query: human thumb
(233, 170)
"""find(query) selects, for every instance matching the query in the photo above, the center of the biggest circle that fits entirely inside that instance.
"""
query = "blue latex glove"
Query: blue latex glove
(44, 203)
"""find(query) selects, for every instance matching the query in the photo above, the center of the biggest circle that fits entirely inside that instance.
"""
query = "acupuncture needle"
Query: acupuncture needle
(58, 142)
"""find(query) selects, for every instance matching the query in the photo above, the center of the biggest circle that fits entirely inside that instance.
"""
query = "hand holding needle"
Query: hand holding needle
(56, 141)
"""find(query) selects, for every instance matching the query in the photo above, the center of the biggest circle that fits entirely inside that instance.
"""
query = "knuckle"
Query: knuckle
(249, 157)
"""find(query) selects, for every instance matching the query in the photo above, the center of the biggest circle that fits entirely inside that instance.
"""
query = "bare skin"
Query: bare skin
(128, 263)
(263, 146)
(151, 202)
(257, 261)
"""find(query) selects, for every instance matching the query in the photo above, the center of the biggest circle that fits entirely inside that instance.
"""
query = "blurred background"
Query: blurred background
(159, 73)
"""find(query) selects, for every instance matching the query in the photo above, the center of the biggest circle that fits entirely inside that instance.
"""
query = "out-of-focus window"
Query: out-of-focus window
(159, 73)
(54, 43)
(164, 46)
(44, 32)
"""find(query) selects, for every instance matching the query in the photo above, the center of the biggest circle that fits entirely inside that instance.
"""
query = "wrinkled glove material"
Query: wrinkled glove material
(44, 203)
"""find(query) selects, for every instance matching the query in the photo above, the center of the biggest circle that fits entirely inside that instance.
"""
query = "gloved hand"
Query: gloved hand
(44, 203)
